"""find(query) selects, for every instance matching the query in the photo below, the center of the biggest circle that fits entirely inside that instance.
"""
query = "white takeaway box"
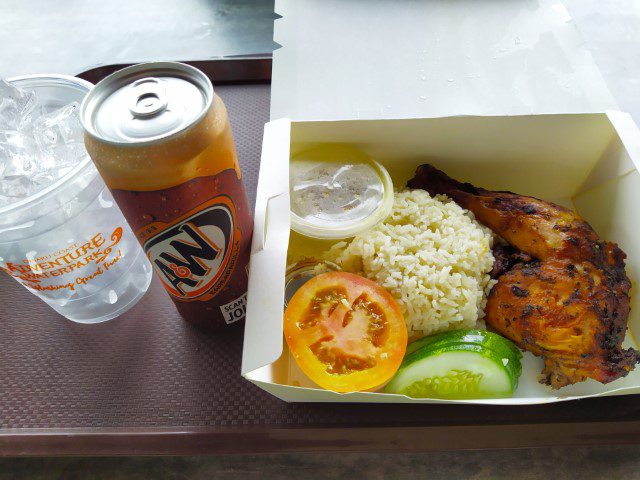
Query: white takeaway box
(589, 162)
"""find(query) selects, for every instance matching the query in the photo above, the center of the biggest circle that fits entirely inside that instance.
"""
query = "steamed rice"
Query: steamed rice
(432, 256)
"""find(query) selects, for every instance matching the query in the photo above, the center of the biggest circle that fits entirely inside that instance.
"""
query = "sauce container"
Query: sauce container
(337, 191)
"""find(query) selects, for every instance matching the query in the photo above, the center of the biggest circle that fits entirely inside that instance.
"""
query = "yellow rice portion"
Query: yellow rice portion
(432, 256)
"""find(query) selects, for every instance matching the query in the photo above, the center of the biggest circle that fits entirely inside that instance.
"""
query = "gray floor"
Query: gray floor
(558, 464)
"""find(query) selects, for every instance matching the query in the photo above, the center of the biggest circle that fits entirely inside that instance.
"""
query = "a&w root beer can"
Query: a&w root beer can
(161, 140)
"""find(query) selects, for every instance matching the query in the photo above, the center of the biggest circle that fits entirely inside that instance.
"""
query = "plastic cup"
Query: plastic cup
(69, 244)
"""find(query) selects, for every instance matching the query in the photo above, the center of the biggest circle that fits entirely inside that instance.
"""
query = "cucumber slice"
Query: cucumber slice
(477, 337)
(463, 364)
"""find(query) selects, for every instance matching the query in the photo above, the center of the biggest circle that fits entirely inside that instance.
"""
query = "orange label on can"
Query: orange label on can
(59, 270)
(195, 254)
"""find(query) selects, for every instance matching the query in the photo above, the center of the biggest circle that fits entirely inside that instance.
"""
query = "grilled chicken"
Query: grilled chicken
(505, 257)
(564, 296)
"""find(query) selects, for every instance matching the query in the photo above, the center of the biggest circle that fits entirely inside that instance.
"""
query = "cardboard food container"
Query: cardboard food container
(588, 162)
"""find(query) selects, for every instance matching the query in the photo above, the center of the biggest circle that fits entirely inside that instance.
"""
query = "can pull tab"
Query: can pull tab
(148, 97)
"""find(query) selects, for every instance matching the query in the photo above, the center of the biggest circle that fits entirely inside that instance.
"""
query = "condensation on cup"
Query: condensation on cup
(62, 235)
(162, 141)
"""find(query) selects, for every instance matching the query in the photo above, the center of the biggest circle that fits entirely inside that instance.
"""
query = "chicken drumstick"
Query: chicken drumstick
(571, 302)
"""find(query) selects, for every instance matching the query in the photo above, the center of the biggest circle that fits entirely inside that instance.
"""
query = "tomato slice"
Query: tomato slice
(346, 332)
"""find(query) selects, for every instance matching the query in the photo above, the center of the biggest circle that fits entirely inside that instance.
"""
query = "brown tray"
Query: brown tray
(148, 383)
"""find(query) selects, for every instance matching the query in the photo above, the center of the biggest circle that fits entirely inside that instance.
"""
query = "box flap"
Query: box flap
(263, 328)
(300, 394)
(347, 60)
(630, 136)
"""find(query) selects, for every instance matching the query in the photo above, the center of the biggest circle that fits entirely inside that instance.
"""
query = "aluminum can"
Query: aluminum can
(161, 139)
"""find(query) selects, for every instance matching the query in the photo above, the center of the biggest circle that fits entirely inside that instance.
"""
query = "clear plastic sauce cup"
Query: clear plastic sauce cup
(337, 191)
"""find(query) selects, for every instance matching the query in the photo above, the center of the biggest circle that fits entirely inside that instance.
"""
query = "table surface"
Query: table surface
(93, 389)
(72, 37)
(67, 388)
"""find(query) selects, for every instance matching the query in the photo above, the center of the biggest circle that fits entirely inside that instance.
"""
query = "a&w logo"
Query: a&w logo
(192, 255)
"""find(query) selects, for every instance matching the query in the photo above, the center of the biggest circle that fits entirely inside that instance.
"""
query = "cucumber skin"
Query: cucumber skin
(489, 345)
(477, 337)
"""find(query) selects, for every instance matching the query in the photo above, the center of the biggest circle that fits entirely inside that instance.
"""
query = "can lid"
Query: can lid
(146, 102)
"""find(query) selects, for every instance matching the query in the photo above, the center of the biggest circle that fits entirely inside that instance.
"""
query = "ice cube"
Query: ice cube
(16, 186)
(69, 154)
(18, 154)
(59, 127)
(29, 117)
(59, 136)
(43, 148)
(51, 175)
(4, 200)
(16, 105)
(16, 165)
(9, 114)
(25, 98)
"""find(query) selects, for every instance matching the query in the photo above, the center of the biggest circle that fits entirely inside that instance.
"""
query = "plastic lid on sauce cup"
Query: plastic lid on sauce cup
(337, 191)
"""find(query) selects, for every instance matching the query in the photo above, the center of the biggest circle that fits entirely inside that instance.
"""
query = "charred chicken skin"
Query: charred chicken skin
(562, 292)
